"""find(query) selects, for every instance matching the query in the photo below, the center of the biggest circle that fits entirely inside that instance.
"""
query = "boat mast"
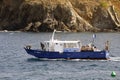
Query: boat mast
(52, 39)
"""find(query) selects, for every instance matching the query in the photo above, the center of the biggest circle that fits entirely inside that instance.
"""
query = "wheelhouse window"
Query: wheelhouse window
(70, 45)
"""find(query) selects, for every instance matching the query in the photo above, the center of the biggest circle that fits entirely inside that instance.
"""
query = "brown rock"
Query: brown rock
(65, 15)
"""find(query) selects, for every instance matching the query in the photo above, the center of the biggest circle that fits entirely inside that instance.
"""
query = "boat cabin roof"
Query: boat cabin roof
(57, 41)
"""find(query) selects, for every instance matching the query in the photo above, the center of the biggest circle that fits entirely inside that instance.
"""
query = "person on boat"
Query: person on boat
(86, 48)
(83, 48)
(42, 46)
(107, 45)
(90, 47)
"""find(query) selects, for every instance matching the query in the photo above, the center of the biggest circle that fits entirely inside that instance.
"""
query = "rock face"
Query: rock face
(65, 15)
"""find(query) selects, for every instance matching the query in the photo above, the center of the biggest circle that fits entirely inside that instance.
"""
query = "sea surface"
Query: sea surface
(16, 64)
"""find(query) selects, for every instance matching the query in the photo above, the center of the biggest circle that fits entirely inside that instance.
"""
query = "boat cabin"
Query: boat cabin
(62, 46)
(65, 46)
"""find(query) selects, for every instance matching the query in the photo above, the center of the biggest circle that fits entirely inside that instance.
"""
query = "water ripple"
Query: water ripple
(15, 64)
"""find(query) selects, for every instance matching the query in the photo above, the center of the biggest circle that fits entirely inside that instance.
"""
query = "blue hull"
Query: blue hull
(69, 55)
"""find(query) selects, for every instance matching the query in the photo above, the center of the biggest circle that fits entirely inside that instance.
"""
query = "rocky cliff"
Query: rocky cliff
(65, 15)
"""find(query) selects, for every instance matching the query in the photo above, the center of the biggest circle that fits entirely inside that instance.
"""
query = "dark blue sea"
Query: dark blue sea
(16, 64)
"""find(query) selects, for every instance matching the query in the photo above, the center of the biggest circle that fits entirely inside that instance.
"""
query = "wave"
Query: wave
(114, 58)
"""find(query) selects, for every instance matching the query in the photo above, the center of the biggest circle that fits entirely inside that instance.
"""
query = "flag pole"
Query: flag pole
(93, 38)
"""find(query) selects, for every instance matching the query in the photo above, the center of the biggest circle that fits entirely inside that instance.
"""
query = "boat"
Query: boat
(57, 49)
